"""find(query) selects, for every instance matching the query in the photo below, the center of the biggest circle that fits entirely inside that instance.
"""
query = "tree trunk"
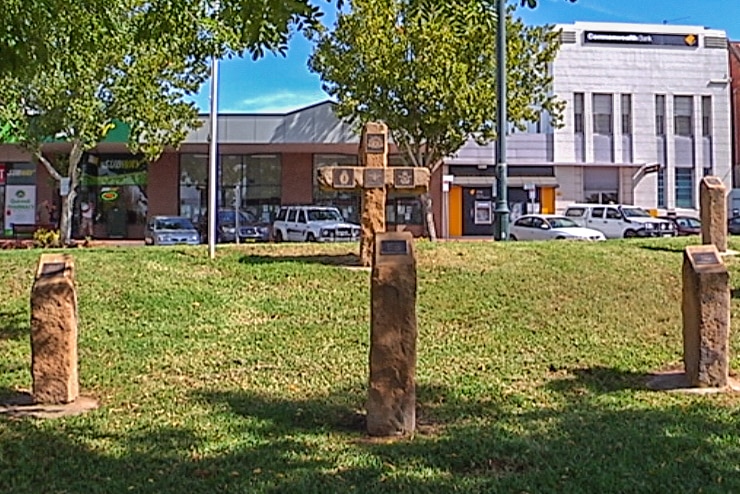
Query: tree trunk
(429, 216)
(68, 201)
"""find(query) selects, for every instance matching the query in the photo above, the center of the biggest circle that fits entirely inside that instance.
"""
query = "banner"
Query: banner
(20, 206)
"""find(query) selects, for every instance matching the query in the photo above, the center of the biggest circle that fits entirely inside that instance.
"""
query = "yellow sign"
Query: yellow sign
(690, 40)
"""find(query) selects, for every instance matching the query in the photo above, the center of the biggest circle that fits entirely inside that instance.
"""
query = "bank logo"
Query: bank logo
(20, 194)
(690, 40)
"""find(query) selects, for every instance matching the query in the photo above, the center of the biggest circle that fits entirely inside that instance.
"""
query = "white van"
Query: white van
(619, 221)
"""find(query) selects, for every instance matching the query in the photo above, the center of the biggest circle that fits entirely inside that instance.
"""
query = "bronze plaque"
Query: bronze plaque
(394, 248)
(403, 178)
(53, 268)
(373, 178)
(375, 143)
(343, 178)
(705, 258)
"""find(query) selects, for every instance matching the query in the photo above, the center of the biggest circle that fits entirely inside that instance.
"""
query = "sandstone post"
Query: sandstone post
(373, 154)
(54, 331)
(391, 405)
(706, 317)
(713, 205)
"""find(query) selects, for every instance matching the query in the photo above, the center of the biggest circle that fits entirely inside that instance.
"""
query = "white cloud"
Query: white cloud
(279, 102)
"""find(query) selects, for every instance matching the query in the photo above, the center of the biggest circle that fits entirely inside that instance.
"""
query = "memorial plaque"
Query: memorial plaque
(373, 178)
(705, 258)
(52, 268)
(394, 248)
(403, 178)
(375, 143)
(343, 178)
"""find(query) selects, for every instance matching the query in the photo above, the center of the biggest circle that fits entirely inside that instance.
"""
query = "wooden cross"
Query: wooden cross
(374, 178)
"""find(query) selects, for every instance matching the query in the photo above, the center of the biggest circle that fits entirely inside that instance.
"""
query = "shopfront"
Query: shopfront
(112, 197)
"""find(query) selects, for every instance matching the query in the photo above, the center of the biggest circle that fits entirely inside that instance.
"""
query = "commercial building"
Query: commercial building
(647, 115)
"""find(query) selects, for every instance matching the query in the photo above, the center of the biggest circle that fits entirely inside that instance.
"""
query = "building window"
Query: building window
(578, 113)
(706, 116)
(627, 114)
(660, 115)
(685, 187)
(194, 186)
(403, 210)
(661, 187)
(683, 110)
(601, 185)
(347, 201)
(253, 182)
(603, 114)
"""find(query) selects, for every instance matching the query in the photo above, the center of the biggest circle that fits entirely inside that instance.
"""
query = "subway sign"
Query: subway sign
(652, 39)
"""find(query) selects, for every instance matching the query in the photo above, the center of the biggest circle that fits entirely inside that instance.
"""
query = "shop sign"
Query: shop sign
(109, 195)
(652, 39)
(2, 173)
(115, 172)
(21, 174)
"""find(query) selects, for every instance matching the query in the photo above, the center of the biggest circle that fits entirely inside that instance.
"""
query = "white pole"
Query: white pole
(213, 161)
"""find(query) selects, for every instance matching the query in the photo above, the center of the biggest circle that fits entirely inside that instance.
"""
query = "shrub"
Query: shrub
(46, 238)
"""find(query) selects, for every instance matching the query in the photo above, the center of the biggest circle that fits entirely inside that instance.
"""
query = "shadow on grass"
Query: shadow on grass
(598, 380)
(14, 324)
(314, 445)
(664, 248)
(346, 260)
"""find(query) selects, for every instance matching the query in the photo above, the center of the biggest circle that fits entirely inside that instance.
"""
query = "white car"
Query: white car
(550, 227)
(620, 221)
(313, 224)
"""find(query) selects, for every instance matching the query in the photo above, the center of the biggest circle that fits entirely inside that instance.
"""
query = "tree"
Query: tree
(71, 68)
(428, 70)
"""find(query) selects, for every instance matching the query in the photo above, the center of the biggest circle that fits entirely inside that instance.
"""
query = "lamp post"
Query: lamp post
(501, 213)
(213, 160)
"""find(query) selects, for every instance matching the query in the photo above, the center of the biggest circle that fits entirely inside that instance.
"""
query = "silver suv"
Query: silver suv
(313, 224)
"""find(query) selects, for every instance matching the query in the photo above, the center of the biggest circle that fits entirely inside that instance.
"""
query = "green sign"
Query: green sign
(115, 172)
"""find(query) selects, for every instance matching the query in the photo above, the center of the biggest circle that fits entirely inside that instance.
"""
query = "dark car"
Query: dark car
(685, 225)
(733, 225)
(251, 229)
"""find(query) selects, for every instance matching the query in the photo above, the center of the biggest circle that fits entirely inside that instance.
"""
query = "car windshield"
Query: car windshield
(324, 215)
(245, 217)
(174, 224)
(692, 223)
(562, 222)
(635, 213)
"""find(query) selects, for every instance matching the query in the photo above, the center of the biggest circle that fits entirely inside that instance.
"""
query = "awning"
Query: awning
(483, 181)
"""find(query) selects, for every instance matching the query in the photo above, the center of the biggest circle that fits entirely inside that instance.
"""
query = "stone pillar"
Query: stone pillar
(373, 154)
(391, 405)
(713, 205)
(54, 331)
(706, 317)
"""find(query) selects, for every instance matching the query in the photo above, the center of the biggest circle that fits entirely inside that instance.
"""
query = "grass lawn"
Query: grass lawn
(248, 374)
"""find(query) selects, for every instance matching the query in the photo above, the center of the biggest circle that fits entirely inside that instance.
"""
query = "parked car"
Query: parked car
(313, 224)
(550, 227)
(170, 230)
(619, 221)
(251, 229)
(733, 225)
(684, 225)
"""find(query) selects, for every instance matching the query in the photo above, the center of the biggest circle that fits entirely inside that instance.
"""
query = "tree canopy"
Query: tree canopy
(70, 68)
(429, 72)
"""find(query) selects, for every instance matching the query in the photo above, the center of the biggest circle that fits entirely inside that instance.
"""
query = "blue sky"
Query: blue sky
(280, 84)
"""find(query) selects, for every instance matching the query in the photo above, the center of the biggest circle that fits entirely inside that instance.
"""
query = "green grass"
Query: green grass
(248, 374)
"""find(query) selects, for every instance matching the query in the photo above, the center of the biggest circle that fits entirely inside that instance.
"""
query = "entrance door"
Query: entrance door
(478, 208)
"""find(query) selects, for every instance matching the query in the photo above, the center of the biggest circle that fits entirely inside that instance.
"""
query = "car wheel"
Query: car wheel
(560, 237)
(278, 236)
(513, 238)
(630, 234)
(310, 237)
